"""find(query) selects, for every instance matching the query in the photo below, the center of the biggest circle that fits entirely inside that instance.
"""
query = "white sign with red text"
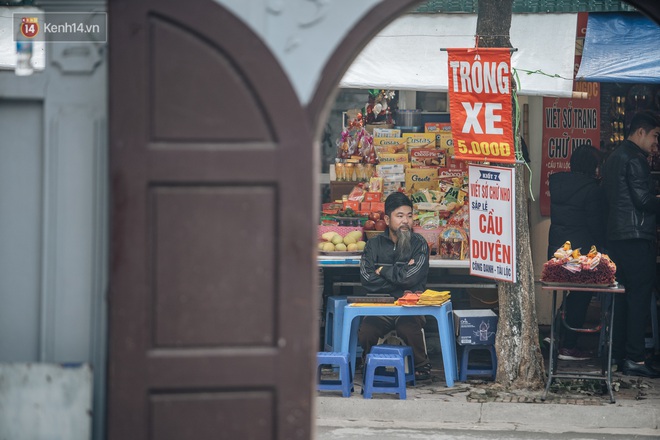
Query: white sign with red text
(492, 222)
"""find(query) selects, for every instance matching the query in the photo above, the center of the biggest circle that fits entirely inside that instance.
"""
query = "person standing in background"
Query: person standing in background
(577, 214)
(631, 239)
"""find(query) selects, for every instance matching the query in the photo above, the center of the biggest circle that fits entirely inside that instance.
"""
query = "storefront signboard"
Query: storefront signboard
(568, 123)
(480, 104)
(492, 222)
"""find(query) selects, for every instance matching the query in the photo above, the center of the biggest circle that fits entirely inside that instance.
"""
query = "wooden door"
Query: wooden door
(212, 332)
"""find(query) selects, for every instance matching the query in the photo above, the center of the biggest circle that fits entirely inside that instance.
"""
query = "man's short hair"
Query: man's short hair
(646, 120)
(395, 200)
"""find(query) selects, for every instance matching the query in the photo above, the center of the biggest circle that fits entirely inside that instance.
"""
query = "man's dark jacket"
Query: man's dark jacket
(631, 197)
(397, 275)
(577, 212)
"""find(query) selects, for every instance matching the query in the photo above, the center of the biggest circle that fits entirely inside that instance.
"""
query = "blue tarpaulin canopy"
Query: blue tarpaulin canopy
(621, 47)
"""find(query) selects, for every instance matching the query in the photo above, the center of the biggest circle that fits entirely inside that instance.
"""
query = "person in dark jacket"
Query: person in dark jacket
(631, 239)
(577, 214)
(393, 262)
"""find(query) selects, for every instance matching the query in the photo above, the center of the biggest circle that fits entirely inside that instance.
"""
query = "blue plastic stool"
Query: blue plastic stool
(384, 360)
(405, 352)
(466, 371)
(344, 384)
(334, 321)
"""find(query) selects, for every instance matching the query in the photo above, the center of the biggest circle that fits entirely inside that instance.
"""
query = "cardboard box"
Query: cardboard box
(390, 168)
(437, 127)
(353, 204)
(386, 141)
(372, 196)
(387, 132)
(400, 177)
(475, 327)
(370, 127)
(445, 141)
(391, 149)
(426, 157)
(393, 158)
(377, 206)
(419, 178)
(419, 140)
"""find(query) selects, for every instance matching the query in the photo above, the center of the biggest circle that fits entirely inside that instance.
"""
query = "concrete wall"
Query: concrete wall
(53, 205)
(45, 401)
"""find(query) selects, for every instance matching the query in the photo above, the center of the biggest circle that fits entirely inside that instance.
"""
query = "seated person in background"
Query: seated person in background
(578, 215)
(392, 262)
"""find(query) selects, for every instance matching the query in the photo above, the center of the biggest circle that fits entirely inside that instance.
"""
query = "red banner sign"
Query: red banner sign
(567, 124)
(480, 104)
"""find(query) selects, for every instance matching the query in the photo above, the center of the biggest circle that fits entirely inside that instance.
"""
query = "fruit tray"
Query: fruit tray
(340, 253)
(341, 230)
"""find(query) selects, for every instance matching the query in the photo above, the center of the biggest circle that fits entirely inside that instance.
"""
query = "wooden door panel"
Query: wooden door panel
(212, 273)
(175, 78)
(196, 303)
(214, 416)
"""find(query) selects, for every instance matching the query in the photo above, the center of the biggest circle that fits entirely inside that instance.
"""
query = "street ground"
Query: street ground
(482, 409)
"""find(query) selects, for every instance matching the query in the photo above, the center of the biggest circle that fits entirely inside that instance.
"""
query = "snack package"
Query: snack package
(387, 132)
(453, 244)
(426, 157)
(376, 184)
(427, 219)
(357, 193)
(461, 218)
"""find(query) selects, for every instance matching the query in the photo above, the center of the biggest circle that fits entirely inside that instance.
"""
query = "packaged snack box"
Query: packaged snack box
(418, 178)
(444, 141)
(437, 127)
(427, 157)
(387, 132)
(420, 140)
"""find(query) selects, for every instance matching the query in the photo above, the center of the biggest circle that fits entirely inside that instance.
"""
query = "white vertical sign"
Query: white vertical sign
(492, 222)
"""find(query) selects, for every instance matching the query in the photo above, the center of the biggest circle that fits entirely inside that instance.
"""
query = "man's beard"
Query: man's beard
(403, 242)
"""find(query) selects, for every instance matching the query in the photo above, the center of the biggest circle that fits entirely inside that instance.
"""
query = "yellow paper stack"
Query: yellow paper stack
(433, 298)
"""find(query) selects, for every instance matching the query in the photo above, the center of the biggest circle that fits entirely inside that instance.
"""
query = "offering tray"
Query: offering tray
(584, 285)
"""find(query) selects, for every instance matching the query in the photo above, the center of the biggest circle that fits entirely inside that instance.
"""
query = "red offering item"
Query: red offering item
(357, 193)
(372, 196)
(569, 266)
(408, 299)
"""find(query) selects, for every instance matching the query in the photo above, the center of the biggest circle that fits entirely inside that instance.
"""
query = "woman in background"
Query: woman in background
(577, 214)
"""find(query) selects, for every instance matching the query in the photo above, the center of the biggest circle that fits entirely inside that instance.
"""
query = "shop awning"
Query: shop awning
(406, 54)
(621, 47)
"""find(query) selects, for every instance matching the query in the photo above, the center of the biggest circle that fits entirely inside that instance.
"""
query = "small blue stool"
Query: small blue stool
(466, 371)
(384, 360)
(334, 320)
(344, 384)
(405, 352)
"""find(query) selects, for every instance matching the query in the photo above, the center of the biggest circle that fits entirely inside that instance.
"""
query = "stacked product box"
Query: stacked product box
(393, 175)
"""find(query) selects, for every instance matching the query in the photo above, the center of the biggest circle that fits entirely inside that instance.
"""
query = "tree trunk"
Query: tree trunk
(520, 363)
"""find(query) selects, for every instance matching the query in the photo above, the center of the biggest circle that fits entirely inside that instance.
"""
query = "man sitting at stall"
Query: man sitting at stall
(392, 262)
